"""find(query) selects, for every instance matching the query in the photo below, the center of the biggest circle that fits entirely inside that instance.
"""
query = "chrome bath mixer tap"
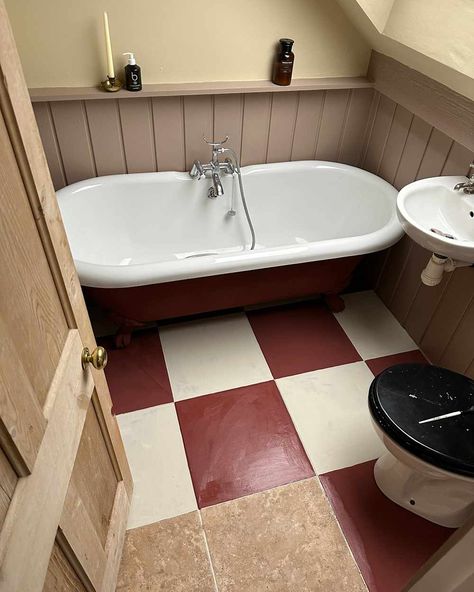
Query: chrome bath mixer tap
(214, 169)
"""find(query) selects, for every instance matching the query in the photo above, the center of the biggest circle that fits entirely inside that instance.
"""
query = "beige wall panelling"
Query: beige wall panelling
(435, 156)
(198, 123)
(106, 136)
(379, 134)
(409, 282)
(72, 130)
(424, 305)
(409, 288)
(45, 123)
(282, 126)
(228, 117)
(458, 160)
(448, 315)
(416, 143)
(168, 123)
(332, 124)
(358, 118)
(459, 352)
(255, 128)
(138, 135)
(395, 145)
(308, 120)
(437, 104)
(394, 264)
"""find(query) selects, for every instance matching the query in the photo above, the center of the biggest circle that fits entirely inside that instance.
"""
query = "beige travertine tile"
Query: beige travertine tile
(167, 556)
(282, 540)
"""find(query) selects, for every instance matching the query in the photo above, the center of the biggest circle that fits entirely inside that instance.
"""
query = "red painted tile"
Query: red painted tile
(378, 365)
(388, 542)
(137, 375)
(240, 442)
(301, 338)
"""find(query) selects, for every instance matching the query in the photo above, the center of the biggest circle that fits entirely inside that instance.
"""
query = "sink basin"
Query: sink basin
(432, 204)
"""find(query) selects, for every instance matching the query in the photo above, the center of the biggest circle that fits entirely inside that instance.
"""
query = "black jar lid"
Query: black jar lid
(403, 395)
(286, 43)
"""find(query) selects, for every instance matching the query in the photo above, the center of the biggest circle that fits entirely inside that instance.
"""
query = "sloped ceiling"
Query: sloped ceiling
(434, 38)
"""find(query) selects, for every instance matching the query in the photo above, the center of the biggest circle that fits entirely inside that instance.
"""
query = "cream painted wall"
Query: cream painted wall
(61, 42)
(443, 30)
(433, 38)
(378, 11)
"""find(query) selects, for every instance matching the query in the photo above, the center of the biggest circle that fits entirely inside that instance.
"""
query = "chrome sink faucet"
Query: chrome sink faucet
(467, 186)
(213, 169)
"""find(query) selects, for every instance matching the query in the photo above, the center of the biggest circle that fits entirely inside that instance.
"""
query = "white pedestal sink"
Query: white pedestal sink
(429, 207)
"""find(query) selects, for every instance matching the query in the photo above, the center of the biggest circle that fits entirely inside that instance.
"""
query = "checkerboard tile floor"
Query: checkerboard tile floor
(219, 408)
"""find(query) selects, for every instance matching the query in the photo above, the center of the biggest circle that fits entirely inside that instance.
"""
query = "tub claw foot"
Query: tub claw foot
(334, 302)
(123, 338)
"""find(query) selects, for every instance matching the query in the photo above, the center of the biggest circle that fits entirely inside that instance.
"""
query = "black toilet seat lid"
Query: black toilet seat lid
(403, 395)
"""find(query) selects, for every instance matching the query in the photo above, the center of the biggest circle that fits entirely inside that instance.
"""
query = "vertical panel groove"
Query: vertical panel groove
(424, 152)
(294, 125)
(89, 139)
(385, 141)
(370, 127)
(56, 142)
(184, 131)
(269, 126)
(403, 150)
(153, 130)
(122, 138)
(344, 124)
(320, 119)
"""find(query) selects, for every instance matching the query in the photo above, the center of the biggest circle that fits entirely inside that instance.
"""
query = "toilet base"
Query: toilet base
(437, 496)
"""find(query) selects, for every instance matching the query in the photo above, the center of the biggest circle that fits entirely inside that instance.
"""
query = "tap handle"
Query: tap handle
(470, 171)
(215, 144)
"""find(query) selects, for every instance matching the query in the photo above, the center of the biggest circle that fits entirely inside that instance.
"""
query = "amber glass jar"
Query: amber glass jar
(283, 65)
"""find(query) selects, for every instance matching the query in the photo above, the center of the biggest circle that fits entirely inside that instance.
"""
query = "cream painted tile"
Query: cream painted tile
(330, 412)
(372, 328)
(212, 355)
(155, 451)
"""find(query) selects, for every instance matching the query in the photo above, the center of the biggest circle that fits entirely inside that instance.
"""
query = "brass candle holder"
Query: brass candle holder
(111, 84)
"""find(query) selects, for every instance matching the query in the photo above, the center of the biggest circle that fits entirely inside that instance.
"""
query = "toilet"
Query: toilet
(428, 468)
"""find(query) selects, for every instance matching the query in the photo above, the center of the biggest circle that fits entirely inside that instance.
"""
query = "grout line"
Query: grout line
(208, 552)
(332, 511)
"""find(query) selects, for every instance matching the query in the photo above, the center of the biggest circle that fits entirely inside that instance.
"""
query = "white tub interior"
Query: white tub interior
(308, 210)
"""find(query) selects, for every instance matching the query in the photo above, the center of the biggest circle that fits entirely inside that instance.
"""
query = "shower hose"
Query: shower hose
(242, 194)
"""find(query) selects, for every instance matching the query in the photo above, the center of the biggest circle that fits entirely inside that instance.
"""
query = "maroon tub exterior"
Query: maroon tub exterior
(132, 307)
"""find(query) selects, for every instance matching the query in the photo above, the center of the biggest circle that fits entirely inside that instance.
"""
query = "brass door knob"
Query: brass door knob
(98, 358)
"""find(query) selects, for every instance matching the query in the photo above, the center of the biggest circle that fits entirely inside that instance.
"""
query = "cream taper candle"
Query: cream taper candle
(108, 48)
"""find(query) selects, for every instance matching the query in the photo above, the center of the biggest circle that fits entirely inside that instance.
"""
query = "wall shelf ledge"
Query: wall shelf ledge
(198, 88)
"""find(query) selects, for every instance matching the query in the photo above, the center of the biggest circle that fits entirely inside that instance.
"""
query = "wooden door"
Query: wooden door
(64, 480)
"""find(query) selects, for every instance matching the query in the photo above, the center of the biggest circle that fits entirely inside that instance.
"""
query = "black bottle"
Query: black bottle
(133, 77)
(283, 65)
